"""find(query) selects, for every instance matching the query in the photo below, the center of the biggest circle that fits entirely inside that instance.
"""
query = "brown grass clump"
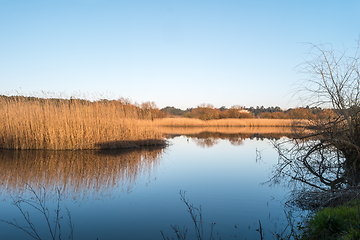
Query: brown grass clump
(59, 124)
(229, 122)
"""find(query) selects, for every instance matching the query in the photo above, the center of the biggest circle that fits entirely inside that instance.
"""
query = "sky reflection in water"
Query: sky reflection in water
(134, 195)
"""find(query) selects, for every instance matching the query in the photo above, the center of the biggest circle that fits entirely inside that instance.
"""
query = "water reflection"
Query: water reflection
(223, 179)
(316, 171)
(208, 137)
(81, 174)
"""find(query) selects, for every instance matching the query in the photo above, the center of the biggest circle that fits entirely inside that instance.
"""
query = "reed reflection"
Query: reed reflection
(208, 137)
(81, 174)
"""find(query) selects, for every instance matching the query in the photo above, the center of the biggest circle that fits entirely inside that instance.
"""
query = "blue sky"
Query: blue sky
(175, 53)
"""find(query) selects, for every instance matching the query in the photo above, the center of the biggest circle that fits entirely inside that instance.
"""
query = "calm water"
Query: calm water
(135, 194)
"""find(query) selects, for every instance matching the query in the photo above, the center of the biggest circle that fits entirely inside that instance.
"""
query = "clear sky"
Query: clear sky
(175, 53)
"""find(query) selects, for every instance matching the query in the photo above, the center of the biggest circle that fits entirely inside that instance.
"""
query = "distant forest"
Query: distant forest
(207, 112)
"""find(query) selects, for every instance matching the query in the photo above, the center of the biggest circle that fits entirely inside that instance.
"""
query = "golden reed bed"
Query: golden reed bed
(60, 124)
(71, 124)
(225, 130)
(229, 122)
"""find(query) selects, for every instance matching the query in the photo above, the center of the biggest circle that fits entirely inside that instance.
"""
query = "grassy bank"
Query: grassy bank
(341, 222)
(59, 124)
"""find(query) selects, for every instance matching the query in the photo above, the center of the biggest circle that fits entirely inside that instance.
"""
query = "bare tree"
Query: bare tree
(329, 157)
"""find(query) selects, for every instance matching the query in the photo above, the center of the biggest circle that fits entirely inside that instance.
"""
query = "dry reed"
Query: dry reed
(226, 130)
(229, 122)
(60, 124)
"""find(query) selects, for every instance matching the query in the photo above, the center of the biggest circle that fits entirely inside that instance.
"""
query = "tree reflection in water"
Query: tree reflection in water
(316, 171)
(208, 137)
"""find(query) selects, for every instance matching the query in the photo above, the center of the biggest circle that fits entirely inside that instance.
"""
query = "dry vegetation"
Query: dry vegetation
(75, 124)
(230, 122)
(226, 130)
(35, 123)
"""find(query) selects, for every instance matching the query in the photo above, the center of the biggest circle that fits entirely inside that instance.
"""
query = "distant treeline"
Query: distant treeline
(207, 112)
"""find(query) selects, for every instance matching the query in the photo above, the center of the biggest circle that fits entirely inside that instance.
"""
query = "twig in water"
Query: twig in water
(196, 216)
(38, 202)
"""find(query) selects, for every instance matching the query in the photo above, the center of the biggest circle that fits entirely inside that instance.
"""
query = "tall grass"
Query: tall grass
(59, 124)
(229, 122)
(227, 130)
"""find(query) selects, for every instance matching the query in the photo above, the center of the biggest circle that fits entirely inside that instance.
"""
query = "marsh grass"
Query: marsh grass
(61, 124)
(229, 122)
(227, 130)
(77, 124)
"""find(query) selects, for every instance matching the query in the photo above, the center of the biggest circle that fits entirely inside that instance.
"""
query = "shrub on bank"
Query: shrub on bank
(342, 222)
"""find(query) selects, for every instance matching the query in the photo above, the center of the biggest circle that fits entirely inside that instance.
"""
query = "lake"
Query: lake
(135, 194)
